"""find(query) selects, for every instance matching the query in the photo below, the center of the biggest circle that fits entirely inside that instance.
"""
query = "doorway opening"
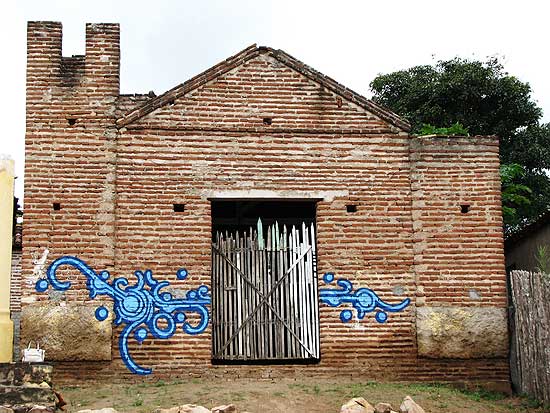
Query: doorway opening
(264, 282)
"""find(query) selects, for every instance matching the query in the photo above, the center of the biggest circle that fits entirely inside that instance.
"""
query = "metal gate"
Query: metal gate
(265, 295)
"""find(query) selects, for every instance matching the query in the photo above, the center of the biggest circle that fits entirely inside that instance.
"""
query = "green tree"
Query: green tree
(485, 100)
(529, 147)
(515, 195)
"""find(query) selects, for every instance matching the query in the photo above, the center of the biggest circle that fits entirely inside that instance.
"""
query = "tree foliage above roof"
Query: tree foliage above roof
(478, 95)
(485, 100)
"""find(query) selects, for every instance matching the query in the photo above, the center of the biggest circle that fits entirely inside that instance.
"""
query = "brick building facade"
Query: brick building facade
(132, 182)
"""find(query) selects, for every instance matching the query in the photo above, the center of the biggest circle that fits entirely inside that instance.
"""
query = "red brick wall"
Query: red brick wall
(214, 139)
(15, 298)
(458, 255)
(117, 188)
(15, 287)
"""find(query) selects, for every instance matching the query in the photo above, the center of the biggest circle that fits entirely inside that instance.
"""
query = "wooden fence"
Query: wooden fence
(530, 330)
(265, 294)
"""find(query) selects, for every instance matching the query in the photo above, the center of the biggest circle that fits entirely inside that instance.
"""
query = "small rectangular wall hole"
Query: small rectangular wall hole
(351, 208)
(464, 209)
(56, 206)
(179, 207)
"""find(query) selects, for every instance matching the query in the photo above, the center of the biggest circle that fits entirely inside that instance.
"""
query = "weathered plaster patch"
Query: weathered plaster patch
(474, 294)
(39, 263)
(399, 290)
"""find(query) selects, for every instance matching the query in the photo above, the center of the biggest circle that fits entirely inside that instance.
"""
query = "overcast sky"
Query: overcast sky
(163, 42)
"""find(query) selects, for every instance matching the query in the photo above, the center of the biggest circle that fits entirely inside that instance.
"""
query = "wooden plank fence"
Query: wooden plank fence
(530, 330)
(265, 294)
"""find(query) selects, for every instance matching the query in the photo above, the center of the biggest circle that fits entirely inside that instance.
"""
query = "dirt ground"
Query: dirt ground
(287, 395)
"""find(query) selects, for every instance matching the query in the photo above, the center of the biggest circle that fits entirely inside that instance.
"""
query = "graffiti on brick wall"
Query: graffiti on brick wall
(364, 300)
(140, 307)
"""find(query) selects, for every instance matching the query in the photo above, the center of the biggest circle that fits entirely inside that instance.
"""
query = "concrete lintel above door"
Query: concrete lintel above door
(263, 194)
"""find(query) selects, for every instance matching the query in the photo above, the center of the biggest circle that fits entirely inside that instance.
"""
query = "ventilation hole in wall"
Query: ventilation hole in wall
(464, 209)
(351, 208)
(56, 206)
(172, 102)
(71, 121)
(268, 121)
(179, 207)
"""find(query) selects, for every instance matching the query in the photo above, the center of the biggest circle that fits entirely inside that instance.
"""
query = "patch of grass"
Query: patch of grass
(299, 386)
(531, 402)
(238, 397)
(480, 394)
(335, 389)
(137, 402)
(439, 389)
(358, 389)
(315, 389)
(279, 394)
(103, 393)
(160, 383)
(427, 387)
(83, 402)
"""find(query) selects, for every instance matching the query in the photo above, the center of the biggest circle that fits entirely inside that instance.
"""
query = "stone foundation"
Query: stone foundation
(23, 386)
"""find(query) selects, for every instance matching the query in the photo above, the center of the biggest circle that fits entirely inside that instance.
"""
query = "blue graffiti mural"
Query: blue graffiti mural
(139, 308)
(364, 300)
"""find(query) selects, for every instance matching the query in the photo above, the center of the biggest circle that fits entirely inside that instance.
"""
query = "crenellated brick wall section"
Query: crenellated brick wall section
(69, 144)
(117, 181)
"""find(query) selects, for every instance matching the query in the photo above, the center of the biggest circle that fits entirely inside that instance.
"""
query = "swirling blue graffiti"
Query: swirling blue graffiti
(141, 307)
(364, 300)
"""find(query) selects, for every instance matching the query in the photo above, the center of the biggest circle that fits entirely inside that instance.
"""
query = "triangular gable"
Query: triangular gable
(250, 53)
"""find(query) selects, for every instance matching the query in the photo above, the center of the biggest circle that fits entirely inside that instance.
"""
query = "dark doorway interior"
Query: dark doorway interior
(234, 216)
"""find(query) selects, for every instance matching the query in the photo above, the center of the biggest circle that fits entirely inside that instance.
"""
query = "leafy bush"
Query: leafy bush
(514, 194)
(456, 129)
(542, 257)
